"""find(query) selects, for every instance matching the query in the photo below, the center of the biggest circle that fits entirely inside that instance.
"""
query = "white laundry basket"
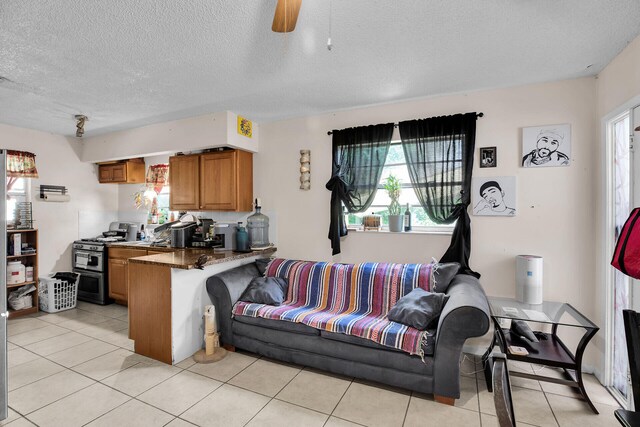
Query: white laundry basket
(57, 295)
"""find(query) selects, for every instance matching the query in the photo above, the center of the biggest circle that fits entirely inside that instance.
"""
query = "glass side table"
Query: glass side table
(550, 350)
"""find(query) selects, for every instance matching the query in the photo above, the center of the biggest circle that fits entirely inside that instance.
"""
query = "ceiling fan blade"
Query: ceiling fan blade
(286, 16)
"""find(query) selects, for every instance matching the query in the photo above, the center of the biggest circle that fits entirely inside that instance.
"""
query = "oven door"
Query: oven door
(93, 287)
(87, 260)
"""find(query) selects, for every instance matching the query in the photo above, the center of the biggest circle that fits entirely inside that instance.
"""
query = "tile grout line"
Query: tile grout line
(64, 369)
(274, 396)
(340, 400)
(406, 410)
(214, 390)
(550, 407)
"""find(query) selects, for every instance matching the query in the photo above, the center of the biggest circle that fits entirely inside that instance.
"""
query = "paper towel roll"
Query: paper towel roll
(529, 279)
(56, 198)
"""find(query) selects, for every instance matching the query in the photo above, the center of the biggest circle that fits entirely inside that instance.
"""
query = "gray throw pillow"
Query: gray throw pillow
(262, 264)
(444, 275)
(266, 290)
(418, 308)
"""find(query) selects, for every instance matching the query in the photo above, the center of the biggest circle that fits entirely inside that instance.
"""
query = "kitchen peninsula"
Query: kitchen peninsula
(167, 295)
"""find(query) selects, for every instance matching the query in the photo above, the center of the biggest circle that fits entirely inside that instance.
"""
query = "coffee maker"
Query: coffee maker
(202, 237)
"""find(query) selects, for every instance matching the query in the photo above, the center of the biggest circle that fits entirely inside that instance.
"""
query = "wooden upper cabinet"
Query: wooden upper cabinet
(184, 183)
(218, 181)
(125, 172)
(224, 182)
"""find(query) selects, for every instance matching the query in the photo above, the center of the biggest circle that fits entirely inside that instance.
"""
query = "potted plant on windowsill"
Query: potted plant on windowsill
(393, 188)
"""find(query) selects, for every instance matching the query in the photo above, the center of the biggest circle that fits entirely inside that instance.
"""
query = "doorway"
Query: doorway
(620, 138)
(622, 198)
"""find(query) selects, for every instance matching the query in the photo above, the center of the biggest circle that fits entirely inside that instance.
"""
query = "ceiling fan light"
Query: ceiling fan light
(80, 120)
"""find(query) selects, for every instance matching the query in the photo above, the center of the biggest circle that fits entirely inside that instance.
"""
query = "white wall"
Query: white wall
(126, 206)
(555, 216)
(190, 134)
(91, 207)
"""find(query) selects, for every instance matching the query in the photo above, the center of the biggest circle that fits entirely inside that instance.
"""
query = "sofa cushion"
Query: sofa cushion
(266, 290)
(428, 346)
(350, 353)
(279, 325)
(261, 264)
(418, 308)
(443, 274)
(352, 299)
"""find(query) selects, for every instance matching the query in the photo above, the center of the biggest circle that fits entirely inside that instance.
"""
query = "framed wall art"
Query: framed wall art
(488, 157)
(494, 196)
(546, 146)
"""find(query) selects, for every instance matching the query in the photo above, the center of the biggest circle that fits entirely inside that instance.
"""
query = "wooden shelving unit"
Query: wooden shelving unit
(29, 236)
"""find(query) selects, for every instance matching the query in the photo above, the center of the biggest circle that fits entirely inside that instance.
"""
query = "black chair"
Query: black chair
(502, 391)
(632, 332)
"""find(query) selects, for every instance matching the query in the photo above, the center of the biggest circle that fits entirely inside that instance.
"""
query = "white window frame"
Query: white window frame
(417, 229)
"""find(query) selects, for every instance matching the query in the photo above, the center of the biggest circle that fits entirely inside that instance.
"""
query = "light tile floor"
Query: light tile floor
(77, 368)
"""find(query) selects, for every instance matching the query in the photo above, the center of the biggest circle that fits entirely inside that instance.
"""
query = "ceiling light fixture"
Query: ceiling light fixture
(80, 119)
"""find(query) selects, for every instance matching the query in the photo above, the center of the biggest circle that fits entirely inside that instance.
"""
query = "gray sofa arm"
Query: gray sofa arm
(225, 289)
(465, 315)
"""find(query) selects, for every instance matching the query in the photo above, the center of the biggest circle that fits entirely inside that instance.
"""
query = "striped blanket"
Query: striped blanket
(351, 299)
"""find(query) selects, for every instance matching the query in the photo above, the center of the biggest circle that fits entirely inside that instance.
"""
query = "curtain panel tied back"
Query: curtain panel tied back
(439, 153)
(358, 156)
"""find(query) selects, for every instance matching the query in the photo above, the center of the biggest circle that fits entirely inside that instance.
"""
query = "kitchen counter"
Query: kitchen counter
(186, 258)
(167, 296)
(139, 244)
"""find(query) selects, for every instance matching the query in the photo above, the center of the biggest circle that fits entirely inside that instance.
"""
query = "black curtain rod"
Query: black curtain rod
(395, 125)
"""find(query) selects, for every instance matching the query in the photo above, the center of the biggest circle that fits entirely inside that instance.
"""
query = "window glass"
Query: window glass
(396, 164)
(17, 194)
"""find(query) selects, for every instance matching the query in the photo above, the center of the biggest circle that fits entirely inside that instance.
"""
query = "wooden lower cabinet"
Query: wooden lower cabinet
(119, 272)
(150, 311)
(118, 279)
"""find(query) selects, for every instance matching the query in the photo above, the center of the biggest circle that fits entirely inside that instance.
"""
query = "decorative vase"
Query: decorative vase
(396, 223)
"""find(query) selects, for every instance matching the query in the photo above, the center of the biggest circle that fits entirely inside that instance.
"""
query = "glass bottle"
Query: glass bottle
(242, 239)
(407, 219)
(258, 225)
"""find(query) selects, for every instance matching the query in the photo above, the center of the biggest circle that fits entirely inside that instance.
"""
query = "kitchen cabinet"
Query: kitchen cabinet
(118, 279)
(30, 237)
(184, 175)
(119, 272)
(125, 172)
(215, 181)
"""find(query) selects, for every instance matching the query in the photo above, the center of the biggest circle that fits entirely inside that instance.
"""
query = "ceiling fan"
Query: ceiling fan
(286, 16)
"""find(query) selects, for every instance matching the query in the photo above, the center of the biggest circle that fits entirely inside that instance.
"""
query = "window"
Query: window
(18, 193)
(396, 164)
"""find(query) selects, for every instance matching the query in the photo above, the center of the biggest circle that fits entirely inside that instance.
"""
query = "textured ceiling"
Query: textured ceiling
(126, 63)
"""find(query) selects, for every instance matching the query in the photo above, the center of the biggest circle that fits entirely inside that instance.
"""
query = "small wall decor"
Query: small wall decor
(305, 169)
(245, 127)
(488, 157)
(548, 145)
(494, 196)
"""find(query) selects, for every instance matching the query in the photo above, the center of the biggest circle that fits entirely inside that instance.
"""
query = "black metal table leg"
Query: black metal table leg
(582, 345)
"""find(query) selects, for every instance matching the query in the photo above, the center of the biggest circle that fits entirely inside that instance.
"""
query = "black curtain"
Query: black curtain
(358, 158)
(439, 153)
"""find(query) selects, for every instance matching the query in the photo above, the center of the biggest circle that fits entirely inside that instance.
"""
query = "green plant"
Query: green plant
(393, 188)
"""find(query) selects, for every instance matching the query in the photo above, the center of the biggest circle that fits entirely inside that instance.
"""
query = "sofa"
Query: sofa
(435, 371)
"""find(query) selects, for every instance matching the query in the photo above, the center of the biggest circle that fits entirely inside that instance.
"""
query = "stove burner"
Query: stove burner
(103, 239)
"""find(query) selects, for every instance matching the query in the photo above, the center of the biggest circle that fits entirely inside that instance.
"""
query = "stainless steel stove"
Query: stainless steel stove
(90, 261)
